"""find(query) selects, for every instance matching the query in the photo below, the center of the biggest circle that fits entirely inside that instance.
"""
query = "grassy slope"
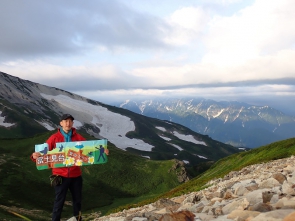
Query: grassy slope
(26, 127)
(235, 162)
(125, 179)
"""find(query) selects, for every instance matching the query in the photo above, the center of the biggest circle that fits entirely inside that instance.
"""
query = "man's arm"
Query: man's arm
(51, 145)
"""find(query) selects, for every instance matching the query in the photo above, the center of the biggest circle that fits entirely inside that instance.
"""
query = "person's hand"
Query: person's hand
(36, 155)
(106, 151)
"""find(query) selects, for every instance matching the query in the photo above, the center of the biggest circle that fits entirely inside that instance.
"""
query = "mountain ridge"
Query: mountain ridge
(235, 123)
(30, 112)
(22, 100)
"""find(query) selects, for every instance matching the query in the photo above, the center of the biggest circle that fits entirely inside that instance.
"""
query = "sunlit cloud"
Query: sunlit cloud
(228, 49)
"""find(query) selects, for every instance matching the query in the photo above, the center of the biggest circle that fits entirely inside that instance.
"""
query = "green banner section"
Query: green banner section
(67, 154)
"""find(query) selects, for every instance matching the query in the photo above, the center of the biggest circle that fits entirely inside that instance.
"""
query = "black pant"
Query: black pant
(75, 187)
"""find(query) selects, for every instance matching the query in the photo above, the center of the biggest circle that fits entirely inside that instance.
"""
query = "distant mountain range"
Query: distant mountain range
(235, 123)
(28, 108)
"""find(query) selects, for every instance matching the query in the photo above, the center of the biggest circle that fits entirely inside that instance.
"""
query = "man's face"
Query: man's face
(67, 124)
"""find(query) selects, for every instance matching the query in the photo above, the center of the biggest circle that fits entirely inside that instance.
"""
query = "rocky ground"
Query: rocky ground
(261, 192)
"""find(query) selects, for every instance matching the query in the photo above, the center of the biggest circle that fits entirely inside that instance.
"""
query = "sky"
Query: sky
(234, 50)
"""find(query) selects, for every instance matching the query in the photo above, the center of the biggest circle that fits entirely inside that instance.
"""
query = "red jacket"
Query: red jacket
(73, 171)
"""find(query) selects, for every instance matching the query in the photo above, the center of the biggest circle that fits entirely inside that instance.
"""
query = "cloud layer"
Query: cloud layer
(230, 49)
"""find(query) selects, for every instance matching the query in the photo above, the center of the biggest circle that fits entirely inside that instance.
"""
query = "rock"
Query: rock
(280, 203)
(182, 174)
(242, 214)
(229, 195)
(274, 199)
(117, 218)
(287, 188)
(261, 207)
(255, 196)
(164, 203)
(289, 204)
(269, 183)
(279, 177)
(241, 190)
(236, 204)
(275, 215)
(178, 216)
(261, 192)
(139, 219)
(290, 217)
(192, 198)
(289, 169)
(252, 186)
(266, 196)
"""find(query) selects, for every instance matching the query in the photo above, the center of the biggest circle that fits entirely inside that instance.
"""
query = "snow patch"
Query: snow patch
(77, 124)
(46, 125)
(218, 114)
(240, 111)
(178, 147)
(202, 157)
(226, 119)
(161, 128)
(112, 126)
(2, 122)
(168, 109)
(188, 138)
(165, 138)
(126, 102)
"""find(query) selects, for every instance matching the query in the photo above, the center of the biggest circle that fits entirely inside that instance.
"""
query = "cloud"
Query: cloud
(223, 2)
(228, 48)
(187, 24)
(75, 78)
(64, 28)
(263, 28)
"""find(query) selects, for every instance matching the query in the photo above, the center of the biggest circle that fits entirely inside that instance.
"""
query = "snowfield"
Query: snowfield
(189, 138)
(2, 119)
(112, 126)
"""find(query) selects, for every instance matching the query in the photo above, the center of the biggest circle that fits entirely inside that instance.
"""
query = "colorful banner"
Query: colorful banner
(67, 154)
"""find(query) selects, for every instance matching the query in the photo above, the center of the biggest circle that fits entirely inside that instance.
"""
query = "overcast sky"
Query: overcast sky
(215, 49)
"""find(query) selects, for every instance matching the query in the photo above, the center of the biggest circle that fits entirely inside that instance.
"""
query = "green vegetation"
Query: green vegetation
(126, 178)
(25, 126)
(126, 181)
(235, 162)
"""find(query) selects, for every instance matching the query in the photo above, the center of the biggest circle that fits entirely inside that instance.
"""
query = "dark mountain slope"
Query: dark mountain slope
(29, 108)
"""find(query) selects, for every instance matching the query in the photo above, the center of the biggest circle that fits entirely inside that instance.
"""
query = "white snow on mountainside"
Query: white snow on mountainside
(2, 121)
(165, 138)
(46, 125)
(176, 146)
(112, 126)
(161, 128)
(189, 138)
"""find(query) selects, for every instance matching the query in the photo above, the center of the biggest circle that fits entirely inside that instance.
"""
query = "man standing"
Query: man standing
(71, 177)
